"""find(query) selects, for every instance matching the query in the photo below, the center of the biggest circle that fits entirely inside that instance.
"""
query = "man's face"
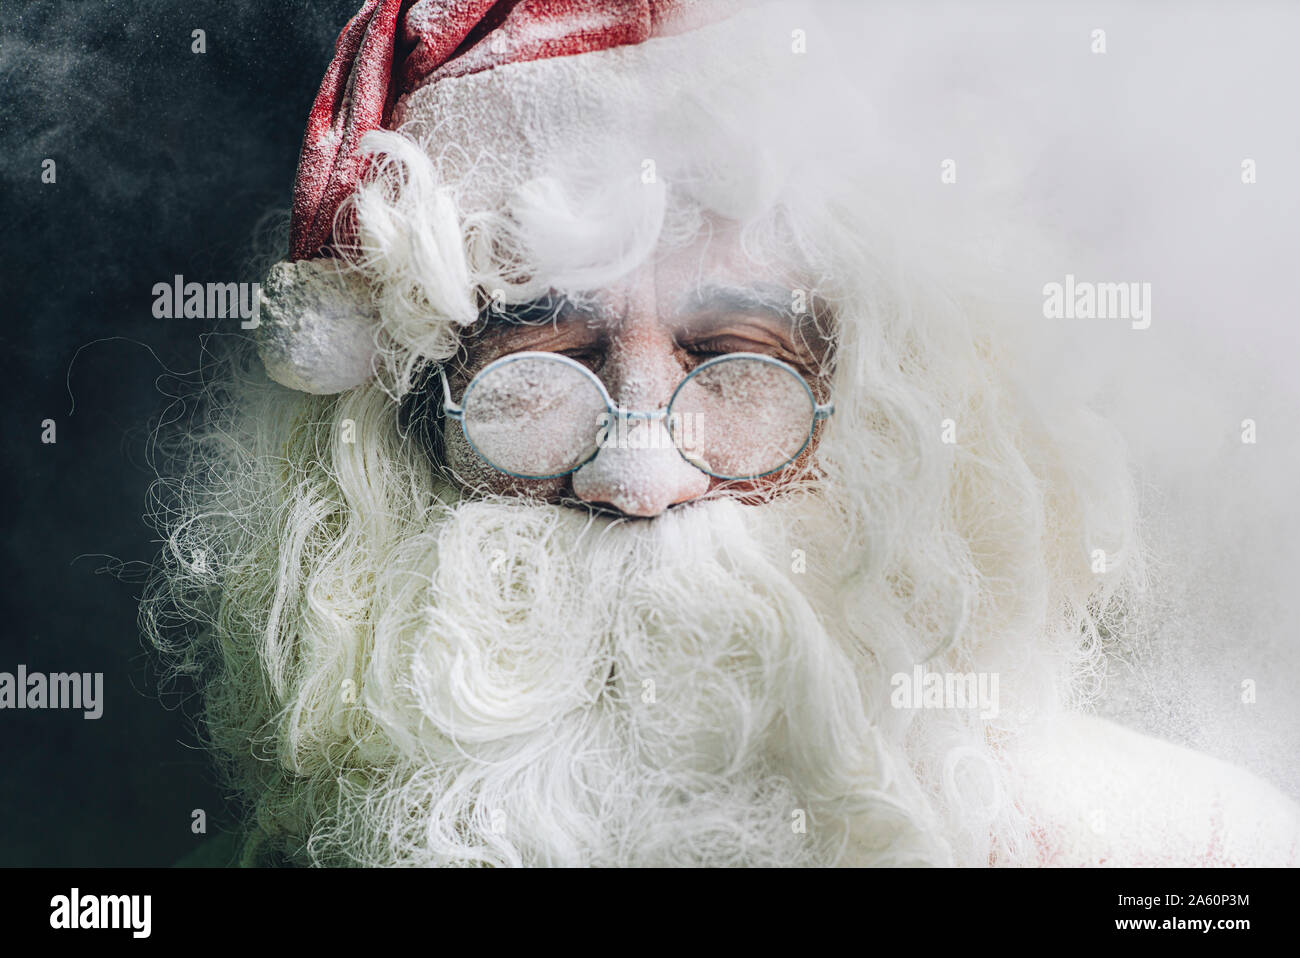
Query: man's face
(641, 337)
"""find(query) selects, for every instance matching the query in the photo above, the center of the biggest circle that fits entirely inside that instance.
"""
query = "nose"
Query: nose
(638, 470)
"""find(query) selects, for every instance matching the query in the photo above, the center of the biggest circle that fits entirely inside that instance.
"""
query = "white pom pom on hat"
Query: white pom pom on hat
(318, 327)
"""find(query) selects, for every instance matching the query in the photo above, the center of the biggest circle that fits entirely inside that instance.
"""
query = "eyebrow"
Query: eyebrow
(535, 312)
(764, 299)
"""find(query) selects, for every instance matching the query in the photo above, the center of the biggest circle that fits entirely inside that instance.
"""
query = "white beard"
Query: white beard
(397, 676)
(561, 690)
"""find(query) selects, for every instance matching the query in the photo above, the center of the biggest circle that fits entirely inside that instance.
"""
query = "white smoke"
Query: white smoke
(1128, 165)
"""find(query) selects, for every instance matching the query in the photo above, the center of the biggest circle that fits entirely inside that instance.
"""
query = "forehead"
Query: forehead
(719, 270)
(716, 285)
(720, 257)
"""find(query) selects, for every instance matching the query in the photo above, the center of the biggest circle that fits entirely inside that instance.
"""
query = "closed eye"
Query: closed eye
(590, 356)
(775, 346)
(566, 335)
(724, 345)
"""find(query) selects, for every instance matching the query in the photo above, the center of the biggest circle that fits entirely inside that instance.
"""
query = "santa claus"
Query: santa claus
(625, 475)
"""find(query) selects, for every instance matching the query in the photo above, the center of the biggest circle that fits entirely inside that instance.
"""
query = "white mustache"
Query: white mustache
(509, 615)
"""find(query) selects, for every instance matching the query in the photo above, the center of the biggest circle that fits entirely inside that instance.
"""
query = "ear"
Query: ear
(318, 327)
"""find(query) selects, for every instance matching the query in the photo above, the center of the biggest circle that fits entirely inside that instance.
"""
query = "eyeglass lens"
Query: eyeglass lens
(534, 417)
(742, 417)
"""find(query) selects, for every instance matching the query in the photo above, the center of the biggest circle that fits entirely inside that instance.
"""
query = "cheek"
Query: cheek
(475, 475)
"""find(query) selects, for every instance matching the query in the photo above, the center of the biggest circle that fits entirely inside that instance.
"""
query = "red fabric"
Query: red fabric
(391, 47)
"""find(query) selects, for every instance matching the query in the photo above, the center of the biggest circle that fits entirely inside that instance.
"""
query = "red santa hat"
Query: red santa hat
(394, 47)
(397, 60)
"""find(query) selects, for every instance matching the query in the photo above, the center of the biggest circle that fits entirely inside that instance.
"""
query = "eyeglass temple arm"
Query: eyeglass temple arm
(449, 408)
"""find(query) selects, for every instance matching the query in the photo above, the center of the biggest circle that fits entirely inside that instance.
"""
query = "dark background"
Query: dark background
(168, 162)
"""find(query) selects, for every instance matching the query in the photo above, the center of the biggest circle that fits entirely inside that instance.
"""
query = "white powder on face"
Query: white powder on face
(580, 154)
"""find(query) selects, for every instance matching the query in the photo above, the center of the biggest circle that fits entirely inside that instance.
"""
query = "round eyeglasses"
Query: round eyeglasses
(538, 415)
